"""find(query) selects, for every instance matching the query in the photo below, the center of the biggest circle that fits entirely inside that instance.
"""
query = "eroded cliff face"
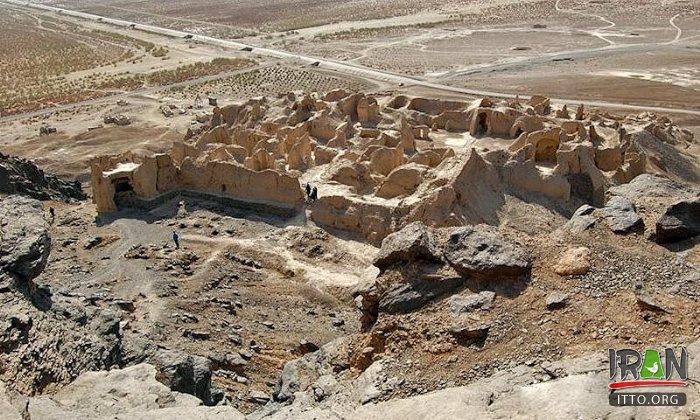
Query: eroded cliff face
(44, 344)
(23, 177)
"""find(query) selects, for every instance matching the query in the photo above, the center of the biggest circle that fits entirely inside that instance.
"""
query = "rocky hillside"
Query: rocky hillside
(21, 176)
(428, 278)
(49, 337)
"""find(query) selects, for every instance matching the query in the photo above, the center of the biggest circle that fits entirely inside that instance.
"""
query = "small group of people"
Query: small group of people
(311, 193)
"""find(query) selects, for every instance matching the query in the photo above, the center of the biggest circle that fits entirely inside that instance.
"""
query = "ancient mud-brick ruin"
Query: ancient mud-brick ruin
(382, 163)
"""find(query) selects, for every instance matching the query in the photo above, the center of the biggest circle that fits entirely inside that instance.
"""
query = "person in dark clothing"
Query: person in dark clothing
(176, 239)
(314, 194)
(308, 191)
(52, 213)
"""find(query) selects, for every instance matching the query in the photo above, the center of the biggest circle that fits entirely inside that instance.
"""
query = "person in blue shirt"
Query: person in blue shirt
(176, 239)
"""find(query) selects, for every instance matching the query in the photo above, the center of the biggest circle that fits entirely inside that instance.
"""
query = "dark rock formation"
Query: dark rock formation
(411, 296)
(621, 215)
(412, 243)
(20, 176)
(473, 251)
(187, 374)
(680, 221)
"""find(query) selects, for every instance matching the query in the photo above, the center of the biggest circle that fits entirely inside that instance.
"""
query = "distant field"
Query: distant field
(246, 15)
(46, 61)
(36, 55)
(269, 81)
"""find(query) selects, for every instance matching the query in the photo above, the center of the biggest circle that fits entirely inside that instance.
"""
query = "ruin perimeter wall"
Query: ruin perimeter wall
(152, 176)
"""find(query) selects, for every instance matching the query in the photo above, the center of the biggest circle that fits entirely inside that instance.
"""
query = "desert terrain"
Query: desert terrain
(383, 209)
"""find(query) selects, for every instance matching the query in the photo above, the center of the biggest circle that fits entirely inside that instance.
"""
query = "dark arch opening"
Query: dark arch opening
(123, 191)
(122, 185)
(482, 126)
(518, 132)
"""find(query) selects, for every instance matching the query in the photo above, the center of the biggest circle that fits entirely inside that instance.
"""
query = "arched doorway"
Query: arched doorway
(123, 191)
(482, 126)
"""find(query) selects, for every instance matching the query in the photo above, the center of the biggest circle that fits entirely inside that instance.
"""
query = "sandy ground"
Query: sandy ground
(238, 279)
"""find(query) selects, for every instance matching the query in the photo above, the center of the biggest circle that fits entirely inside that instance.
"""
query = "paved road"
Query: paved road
(349, 68)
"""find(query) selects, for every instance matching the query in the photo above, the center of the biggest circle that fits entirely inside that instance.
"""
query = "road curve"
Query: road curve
(341, 67)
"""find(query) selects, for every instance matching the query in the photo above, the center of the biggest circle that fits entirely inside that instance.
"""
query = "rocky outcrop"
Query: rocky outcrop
(26, 244)
(187, 374)
(621, 215)
(410, 244)
(43, 342)
(130, 393)
(481, 252)
(680, 221)
(40, 349)
(301, 374)
(20, 176)
(577, 388)
(407, 297)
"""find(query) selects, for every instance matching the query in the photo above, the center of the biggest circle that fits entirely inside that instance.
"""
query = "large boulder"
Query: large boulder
(25, 243)
(411, 243)
(581, 220)
(680, 221)
(479, 252)
(42, 341)
(185, 373)
(407, 297)
(573, 261)
(621, 215)
(299, 374)
(46, 340)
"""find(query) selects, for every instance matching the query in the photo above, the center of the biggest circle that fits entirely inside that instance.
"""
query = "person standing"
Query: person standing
(176, 239)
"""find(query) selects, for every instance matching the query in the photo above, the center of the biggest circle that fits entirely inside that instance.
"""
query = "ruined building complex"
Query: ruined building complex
(384, 162)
